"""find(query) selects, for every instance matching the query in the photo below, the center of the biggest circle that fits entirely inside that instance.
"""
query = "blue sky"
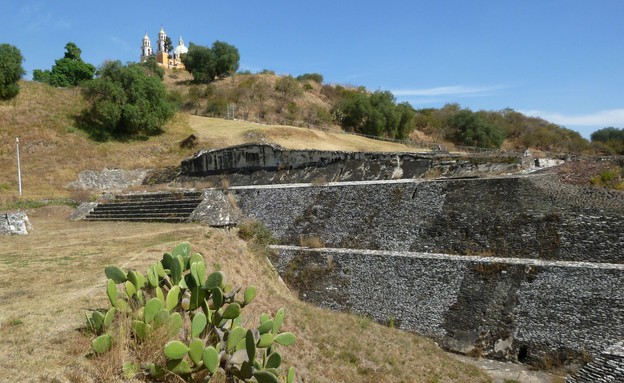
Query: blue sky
(562, 60)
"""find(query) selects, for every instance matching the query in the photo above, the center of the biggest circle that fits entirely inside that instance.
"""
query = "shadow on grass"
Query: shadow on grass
(98, 133)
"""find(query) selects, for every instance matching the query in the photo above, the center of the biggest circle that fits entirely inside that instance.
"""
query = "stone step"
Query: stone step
(162, 207)
(146, 213)
(140, 219)
(149, 205)
(158, 196)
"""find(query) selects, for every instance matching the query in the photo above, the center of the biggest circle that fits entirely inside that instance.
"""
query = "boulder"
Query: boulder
(14, 223)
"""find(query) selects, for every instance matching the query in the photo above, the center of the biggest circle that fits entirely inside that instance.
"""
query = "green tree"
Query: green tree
(226, 59)
(11, 71)
(200, 61)
(168, 44)
(375, 114)
(406, 120)
(126, 101)
(473, 129)
(207, 64)
(287, 89)
(67, 71)
(612, 137)
(72, 52)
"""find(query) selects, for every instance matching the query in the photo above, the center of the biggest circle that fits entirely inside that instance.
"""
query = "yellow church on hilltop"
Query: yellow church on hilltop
(167, 60)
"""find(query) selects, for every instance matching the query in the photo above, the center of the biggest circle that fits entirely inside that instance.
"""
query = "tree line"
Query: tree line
(130, 99)
(125, 100)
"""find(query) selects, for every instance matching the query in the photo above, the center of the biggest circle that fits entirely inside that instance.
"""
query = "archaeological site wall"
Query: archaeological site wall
(258, 164)
(505, 308)
(518, 268)
(525, 217)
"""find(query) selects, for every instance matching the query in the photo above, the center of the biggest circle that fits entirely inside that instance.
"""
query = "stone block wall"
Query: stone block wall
(534, 311)
(526, 217)
(256, 164)
(606, 368)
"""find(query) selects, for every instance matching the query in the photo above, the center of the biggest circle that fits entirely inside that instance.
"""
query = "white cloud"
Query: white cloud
(603, 118)
(123, 44)
(455, 90)
(34, 18)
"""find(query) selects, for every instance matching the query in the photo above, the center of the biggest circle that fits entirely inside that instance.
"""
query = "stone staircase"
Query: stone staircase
(150, 207)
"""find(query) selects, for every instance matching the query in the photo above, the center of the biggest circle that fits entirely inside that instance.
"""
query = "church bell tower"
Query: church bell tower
(146, 48)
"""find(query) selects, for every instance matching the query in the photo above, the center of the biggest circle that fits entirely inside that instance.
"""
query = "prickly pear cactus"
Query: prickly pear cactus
(202, 316)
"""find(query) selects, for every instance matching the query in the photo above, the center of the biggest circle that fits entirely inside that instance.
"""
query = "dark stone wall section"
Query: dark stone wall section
(538, 312)
(504, 217)
(262, 164)
(606, 368)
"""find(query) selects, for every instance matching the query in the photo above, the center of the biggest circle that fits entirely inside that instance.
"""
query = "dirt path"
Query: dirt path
(503, 372)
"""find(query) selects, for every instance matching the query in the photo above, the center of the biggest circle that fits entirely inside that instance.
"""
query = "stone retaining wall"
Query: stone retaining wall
(261, 164)
(606, 368)
(533, 311)
(525, 217)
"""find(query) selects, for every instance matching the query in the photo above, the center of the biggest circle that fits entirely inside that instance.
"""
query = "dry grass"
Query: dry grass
(218, 133)
(311, 241)
(56, 274)
(53, 151)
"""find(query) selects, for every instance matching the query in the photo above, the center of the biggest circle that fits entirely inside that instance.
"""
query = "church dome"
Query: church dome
(180, 49)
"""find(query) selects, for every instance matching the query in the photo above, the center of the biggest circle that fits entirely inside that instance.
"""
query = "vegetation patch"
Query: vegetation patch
(178, 322)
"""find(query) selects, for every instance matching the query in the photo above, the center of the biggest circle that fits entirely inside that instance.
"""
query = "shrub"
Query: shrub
(609, 178)
(11, 71)
(255, 231)
(176, 321)
(125, 101)
(217, 107)
(316, 77)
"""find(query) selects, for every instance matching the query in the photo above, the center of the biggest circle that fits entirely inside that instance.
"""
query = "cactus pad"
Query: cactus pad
(285, 338)
(175, 350)
(210, 357)
(115, 273)
(102, 343)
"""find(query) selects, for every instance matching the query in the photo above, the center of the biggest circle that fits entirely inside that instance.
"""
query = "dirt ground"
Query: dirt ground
(55, 274)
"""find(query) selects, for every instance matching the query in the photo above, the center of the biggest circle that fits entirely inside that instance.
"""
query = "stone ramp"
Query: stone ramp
(148, 207)
(606, 368)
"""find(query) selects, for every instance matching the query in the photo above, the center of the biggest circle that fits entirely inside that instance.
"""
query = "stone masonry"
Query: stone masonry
(502, 308)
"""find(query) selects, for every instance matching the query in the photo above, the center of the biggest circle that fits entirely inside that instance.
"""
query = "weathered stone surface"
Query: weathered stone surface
(109, 179)
(608, 367)
(531, 216)
(504, 308)
(217, 209)
(82, 211)
(261, 164)
(14, 223)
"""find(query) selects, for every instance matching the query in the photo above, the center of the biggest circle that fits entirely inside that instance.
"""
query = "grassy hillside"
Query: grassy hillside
(53, 151)
(256, 98)
(57, 274)
(217, 132)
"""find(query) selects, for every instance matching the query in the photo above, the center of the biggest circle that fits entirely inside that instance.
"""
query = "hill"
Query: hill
(311, 103)
(59, 265)
(53, 150)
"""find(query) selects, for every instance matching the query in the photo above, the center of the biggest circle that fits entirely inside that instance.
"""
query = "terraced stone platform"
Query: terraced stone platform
(148, 207)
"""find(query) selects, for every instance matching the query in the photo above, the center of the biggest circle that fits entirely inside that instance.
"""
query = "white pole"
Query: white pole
(19, 171)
